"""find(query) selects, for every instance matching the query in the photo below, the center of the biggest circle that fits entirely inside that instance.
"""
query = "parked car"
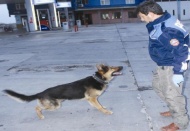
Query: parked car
(8, 28)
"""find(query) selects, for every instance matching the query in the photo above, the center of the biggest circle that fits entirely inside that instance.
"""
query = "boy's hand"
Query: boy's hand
(177, 79)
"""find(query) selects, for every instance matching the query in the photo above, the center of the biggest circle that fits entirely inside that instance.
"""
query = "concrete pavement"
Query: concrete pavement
(32, 62)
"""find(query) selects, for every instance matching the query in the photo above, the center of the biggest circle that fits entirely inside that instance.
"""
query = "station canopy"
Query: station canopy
(11, 1)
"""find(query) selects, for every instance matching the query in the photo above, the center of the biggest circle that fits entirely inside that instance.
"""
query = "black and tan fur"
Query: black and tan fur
(89, 88)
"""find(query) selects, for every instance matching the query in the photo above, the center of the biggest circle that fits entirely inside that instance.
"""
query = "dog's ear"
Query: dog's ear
(99, 66)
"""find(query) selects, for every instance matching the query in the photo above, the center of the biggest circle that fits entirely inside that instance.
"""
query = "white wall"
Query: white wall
(185, 5)
(170, 6)
(31, 15)
(53, 15)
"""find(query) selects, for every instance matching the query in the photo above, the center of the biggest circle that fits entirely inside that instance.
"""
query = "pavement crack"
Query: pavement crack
(127, 61)
(144, 111)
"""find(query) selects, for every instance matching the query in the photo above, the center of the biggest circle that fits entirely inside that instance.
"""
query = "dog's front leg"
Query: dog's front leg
(94, 102)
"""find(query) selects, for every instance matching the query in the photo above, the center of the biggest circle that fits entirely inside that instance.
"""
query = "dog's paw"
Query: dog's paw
(104, 107)
(41, 117)
(108, 112)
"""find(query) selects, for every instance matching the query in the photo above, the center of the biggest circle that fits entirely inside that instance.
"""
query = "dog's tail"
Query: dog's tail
(20, 97)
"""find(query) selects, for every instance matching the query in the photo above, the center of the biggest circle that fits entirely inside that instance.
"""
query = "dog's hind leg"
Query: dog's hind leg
(39, 112)
(94, 102)
(47, 104)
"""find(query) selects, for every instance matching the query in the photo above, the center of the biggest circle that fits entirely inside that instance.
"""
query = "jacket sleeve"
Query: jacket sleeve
(179, 52)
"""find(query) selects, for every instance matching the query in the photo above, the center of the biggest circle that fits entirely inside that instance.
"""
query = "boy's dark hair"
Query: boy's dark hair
(149, 6)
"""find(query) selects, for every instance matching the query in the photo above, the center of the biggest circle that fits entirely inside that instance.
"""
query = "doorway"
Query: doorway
(88, 18)
(61, 18)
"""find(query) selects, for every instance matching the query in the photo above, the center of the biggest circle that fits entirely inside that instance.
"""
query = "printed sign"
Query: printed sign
(30, 20)
(44, 28)
(63, 4)
(38, 2)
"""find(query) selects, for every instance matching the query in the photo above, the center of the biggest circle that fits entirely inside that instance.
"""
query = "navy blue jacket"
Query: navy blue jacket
(161, 32)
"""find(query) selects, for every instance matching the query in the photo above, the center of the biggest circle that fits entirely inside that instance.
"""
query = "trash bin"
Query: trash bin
(1, 29)
(65, 25)
(78, 23)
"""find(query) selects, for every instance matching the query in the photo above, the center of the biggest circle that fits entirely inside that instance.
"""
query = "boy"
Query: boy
(168, 47)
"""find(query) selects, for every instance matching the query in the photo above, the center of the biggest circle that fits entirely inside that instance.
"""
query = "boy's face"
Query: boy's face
(145, 18)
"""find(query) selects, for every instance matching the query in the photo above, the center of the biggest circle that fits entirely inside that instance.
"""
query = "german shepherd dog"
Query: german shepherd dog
(89, 88)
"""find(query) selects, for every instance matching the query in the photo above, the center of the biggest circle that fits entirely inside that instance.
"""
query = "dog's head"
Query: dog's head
(108, 72)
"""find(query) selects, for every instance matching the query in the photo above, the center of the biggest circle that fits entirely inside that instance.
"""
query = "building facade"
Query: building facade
(47, 14)
(106, 11)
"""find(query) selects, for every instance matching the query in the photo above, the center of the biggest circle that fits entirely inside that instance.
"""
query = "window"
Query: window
(85, 2)
(132, 14)
(105, 2)
(173, 12)
(116, 15)
(62, 16)
(105, 16)
(183, 12)
(80, 3)
(130, 1)
(19, 6)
